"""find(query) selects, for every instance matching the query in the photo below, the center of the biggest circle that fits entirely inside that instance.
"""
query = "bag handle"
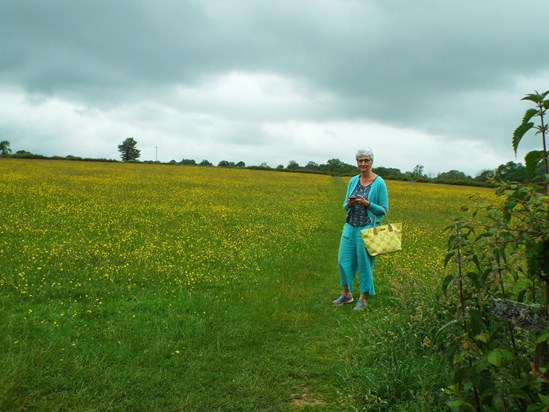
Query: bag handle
(388, 223)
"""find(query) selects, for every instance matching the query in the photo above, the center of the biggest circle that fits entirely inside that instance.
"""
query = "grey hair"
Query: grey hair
(365, 152)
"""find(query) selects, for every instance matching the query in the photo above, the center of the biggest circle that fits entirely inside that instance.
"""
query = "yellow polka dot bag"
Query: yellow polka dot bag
(382, 239)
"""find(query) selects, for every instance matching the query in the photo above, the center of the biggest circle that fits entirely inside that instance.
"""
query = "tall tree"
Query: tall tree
(453, 175)
(418, 171)
(311, 166)
(292, 165)
(388, 172)
(5, 148)
(128, 150)
(485, 175)
(511, 171)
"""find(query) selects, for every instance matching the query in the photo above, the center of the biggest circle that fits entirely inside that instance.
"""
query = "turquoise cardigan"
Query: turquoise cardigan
(378, 196)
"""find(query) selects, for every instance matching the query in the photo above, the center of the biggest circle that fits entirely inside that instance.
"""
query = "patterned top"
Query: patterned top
(358, 214)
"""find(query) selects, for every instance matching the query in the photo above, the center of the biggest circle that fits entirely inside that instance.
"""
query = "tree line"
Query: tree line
(510, 171)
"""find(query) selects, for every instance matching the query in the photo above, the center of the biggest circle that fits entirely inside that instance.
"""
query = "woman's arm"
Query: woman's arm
(380, 199)
(350, 187)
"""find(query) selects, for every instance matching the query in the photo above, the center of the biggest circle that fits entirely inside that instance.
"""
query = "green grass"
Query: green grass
(257, 340)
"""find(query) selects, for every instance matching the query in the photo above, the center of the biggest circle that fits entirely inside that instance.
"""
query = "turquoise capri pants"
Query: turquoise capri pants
(352, 256)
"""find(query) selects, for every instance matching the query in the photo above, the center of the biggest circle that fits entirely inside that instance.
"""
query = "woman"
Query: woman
(365, 199)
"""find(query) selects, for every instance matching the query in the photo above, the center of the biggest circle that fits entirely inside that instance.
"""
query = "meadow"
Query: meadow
(151, 287)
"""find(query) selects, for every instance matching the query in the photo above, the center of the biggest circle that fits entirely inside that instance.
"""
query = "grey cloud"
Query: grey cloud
(451, 69)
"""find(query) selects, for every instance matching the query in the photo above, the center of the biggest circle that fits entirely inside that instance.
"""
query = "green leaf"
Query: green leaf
(443, 328)
(459, 404)
(543, 336)
(496, 356)
(544, 399)
(532, 159)
(452, 390)
(521, 295)
(528, 115)
(446, 283)
(448, 228)
(476, 322)
(519, 133)
(481, 366)
(536, 98)
(448, 257)
(476, 262)
(473, 276)
(452, 238)
(546, 104)
(483, 337)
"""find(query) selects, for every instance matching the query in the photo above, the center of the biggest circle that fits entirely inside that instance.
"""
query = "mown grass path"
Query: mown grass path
(118, 293)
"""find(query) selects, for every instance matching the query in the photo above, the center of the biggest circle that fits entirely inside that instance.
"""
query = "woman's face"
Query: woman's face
(364, 163)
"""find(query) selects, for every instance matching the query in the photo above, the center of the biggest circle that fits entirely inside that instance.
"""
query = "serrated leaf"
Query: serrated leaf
(528, 115)
(519, 133)
(448, 257)
(536, 98)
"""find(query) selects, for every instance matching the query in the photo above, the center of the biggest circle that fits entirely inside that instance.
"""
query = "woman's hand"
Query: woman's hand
(361, 200)
(351, 201)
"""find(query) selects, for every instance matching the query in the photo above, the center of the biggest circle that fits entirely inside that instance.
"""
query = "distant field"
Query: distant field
(75, 224)
(160, 287)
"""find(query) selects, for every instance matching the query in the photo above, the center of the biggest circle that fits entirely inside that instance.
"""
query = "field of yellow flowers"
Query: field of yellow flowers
(149, 286)
(66, 225)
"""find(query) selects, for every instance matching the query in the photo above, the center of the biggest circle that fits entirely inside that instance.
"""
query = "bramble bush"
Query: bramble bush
(496, 300)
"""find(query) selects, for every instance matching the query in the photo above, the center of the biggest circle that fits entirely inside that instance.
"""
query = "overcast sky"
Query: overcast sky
(436, 83)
